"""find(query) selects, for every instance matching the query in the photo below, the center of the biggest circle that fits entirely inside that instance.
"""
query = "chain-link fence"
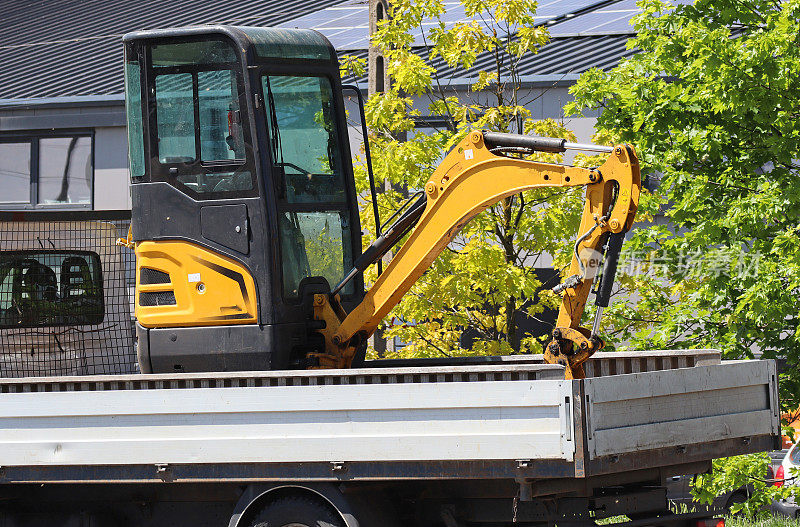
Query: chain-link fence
(66, 294)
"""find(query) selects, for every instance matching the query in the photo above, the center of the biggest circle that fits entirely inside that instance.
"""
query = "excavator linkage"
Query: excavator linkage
(474, 176)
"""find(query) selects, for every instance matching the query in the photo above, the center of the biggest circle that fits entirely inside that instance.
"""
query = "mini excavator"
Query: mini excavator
(245, 210)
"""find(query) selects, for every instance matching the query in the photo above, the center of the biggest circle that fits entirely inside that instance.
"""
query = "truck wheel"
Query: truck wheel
(297, 511)
(734, 499)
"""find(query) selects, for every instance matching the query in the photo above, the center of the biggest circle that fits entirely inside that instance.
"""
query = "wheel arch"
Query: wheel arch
(256, 496)
(730, 499)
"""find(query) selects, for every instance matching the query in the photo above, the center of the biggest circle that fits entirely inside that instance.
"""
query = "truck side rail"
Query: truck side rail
(495, 421)
(600, 364)
(735, 401)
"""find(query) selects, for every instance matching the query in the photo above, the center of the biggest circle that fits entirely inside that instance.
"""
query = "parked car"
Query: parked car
(785, 475)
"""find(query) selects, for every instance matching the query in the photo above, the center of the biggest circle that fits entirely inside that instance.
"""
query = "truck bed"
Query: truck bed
(503, 419)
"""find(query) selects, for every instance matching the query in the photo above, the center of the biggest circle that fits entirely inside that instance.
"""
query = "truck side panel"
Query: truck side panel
(289, 424)
(629, 413)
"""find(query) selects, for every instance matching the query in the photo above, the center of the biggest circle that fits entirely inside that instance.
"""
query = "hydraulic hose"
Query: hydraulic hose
(385, 241)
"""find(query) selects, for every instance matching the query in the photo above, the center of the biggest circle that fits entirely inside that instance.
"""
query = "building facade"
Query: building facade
(62, 117)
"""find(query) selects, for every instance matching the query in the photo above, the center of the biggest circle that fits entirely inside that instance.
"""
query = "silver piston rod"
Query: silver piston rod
(552, 145)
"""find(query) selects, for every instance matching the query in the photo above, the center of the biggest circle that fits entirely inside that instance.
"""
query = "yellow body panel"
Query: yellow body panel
(210, 289)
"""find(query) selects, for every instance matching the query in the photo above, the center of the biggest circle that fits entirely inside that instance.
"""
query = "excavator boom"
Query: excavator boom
(475, 175)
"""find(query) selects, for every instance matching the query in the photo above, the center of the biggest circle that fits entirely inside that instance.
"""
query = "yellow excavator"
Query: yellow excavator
(245, 212)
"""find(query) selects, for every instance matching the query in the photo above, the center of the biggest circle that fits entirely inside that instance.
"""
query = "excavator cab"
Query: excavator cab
(243, 194)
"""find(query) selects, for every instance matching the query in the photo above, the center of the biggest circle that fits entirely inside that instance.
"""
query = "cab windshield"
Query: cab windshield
(314, 216)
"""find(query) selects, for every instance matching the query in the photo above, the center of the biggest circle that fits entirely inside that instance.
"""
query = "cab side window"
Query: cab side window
(200, 137)
(50, 288)
(176, 124)
(795, 457)
(303, 138)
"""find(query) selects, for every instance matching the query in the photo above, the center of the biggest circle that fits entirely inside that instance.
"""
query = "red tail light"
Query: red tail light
(779, 477)
(711, 522)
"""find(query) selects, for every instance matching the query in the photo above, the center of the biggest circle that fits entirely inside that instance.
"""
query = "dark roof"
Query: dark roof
(562, 58)
(56, 48)
(73, 48)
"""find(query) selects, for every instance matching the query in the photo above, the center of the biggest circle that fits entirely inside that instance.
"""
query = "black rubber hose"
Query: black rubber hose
(540, 144)
(609, 268)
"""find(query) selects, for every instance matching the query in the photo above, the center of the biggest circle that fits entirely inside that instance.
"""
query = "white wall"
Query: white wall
(111, 183)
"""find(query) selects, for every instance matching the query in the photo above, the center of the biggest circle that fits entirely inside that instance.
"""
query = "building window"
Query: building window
(46, 171)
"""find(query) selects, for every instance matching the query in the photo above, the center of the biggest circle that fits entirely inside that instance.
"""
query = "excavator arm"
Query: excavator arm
(473, 176)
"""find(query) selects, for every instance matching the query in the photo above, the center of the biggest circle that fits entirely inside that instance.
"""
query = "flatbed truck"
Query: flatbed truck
(480, 442)
(239, 157)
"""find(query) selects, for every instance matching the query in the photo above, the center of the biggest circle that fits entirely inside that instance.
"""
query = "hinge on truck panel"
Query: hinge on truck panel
(164, 471)
(568, 419)
(338, 466)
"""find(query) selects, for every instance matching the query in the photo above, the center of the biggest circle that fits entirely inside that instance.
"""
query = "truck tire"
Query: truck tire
(734, 499)
(297, 511)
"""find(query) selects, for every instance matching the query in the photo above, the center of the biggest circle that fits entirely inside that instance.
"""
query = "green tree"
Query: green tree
(738, 472)
(485, 277)
(711, 102)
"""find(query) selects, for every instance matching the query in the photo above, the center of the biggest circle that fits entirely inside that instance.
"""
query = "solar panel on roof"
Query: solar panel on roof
(347, 25)
(614, 18)
(611, 19)
(559, 58)
(594, 24)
